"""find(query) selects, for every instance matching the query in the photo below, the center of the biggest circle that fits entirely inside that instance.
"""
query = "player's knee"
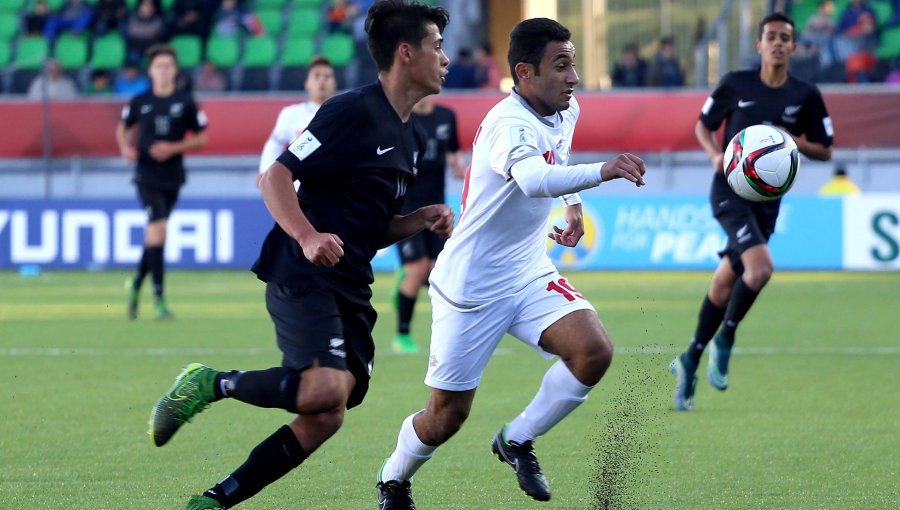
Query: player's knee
(322, 399)
(329, 422)
(592, 364)
(757, 277)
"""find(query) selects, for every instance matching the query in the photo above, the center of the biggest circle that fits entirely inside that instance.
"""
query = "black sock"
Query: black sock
(272, 388)
(708, 322)
(742, 298)
(155, 263)
(141, 271)
(273, 458)
(405, 307)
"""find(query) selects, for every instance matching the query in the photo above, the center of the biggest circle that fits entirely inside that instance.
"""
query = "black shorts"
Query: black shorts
(313, 324)
(157, 202)
(746, 223)
(425, 244)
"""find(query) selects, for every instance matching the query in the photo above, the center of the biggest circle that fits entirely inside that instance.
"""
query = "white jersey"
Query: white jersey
(499, 245)
(292, 120)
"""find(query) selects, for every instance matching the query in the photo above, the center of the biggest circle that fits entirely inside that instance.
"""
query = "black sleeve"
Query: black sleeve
(327, 144)
(194, 118)
(453, 142)
(719, 105)
(131, 112)
(816, 123)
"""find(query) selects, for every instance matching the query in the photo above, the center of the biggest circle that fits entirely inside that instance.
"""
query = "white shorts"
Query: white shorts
(463, 339)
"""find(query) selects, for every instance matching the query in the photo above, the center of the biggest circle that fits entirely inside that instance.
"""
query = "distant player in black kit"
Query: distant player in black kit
(768, 95)
(418, 253)
(355, 162)
(162, 116)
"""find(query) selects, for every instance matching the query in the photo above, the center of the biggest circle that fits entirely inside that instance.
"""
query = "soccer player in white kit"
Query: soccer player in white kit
(293, 119)
(494, 276)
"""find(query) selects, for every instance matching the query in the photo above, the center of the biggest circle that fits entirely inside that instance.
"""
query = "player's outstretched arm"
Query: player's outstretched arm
(811, 150)
(624, 166)
(438, 218)
(277, 188)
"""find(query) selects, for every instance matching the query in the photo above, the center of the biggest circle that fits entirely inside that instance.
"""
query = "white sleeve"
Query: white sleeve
(570, 199)
(511, 142)
(275, 144)
(538, 179)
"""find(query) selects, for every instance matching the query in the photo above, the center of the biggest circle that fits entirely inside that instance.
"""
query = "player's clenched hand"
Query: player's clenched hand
(438, 218)
(574, 230)
(161, 151)
(322, 249)
(717, 161)
(625, 166)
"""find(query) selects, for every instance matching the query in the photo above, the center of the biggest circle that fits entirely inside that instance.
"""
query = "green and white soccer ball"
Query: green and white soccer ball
(761, 163)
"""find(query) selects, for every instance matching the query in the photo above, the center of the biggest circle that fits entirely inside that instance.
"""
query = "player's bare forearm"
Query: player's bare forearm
(196, 142)
(813, 150)
(277, 188)
(710, 144)
(438, 218)
(123, 139)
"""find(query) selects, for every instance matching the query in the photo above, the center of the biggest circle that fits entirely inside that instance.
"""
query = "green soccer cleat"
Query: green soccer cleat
(192, 392)
(717, 368)
(133, 295)
(685, 384)
(203, 503)
(404, 344)
(162, 311)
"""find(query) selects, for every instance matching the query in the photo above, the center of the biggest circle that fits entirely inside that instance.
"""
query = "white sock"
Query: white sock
(560, 393)
(409, 456)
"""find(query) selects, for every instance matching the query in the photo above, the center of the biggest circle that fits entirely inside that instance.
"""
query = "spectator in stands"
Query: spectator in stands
(231, 18)
(210, 79)
(631, 69)
(340, 15)
(145, 28)
(109, 15)
(819, 32)
(73, 16)
(100, 83)
(857, 41)
(36, 20)
(839, 184)
(461, 72)
(666, 71)
(487, 69)
(52, 84)
(191, 17)
(131, 81)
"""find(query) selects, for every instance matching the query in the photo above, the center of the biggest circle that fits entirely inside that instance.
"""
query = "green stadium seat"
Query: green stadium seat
(339, 49)
(13, 6)
(108, 52)
(5, 53)
(222, 51)
(54, 5)
(259, 52)
(71, 51)
(889, 48)
(297, 52)
(270, 4)
(31, 53)
(883, 11)
(189, 49)
(803, 11)
(308, 4)
(303, 23)
(9, 26)
(271, 19)
(167, 5)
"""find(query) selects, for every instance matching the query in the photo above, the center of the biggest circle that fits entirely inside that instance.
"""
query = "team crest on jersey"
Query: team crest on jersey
(176, 109)
(522, 135)
(790, 113)
(304, 145)
(442, 132)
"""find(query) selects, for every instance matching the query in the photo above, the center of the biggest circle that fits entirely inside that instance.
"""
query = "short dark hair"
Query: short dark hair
(529, 39)
(777, 16)
(319, 60)
(160, 49)
(391, 22)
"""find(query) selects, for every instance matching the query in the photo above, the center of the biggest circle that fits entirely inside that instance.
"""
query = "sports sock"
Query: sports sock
(409, 456)
(271, 388)
(708, 322)
(141, 271)
(273, 458)
(742, 298)
(560, 393)
(405, 307)
(155, 264)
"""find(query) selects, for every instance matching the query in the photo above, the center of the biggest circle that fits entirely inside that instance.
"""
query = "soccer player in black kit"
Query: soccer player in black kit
(355, 162)
(418, 253)
(767, 95)
(162, 117)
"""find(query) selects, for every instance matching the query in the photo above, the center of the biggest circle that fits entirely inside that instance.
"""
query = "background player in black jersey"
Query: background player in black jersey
(162, 117)
(768, 95)
(418, 253)
(355, 162)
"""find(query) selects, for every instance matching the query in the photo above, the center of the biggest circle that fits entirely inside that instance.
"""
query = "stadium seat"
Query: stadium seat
(308, 4)
(222, 51)
(167, 5)
(71, 51)
(889, 47)
(259, 56)
(271, 19)
(802, 12)
(108, 52)
(9, 26)
(271, 4)
(189, 49)
(5, 53)
(31, 53)
(883, 11)
(339, 49)
(303, 23)
(54, 5)
(297, 52)
(12, 6)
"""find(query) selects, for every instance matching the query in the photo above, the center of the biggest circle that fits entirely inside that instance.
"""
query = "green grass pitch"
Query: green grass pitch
(811, 420)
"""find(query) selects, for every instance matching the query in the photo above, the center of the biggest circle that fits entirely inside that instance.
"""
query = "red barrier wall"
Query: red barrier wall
(638, 121)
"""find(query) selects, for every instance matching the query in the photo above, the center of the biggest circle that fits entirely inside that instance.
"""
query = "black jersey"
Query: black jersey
(162, 119)
(441, 138)
(355, 162)
(742, 99)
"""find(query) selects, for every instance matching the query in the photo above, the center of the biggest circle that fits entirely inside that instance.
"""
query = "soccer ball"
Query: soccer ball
(761, 163)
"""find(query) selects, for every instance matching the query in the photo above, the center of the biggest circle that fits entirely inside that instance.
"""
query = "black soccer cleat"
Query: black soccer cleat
(395, 495)
(523, 461)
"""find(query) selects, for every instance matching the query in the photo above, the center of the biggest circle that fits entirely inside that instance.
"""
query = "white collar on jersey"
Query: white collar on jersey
(558, 116)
